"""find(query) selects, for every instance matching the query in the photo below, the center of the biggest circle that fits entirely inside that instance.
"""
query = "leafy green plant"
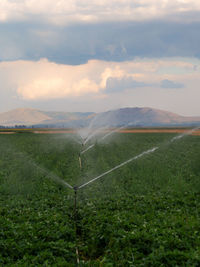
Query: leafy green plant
(144, 214)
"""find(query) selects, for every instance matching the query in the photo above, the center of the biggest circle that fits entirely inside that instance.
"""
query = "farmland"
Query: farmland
(146, 213)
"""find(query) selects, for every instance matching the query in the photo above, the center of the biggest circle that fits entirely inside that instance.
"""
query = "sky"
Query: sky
(83, 55)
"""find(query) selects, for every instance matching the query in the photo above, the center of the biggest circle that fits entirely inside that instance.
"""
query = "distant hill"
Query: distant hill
(145, 117)
(125, 116)
(28, 116)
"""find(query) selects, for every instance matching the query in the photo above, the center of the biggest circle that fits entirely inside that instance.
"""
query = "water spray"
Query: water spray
(118, 166)
(105, 136)
(80, 161)
(116, 130)
(46, 172)
(184, 134)
(134, 158)
(90, 136)
(76, 188)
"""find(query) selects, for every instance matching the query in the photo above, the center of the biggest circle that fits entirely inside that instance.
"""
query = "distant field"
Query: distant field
(146, 213)
(163, 130)
(129, 130)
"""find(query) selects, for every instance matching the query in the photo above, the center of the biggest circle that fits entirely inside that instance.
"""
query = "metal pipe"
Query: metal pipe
(75, 225)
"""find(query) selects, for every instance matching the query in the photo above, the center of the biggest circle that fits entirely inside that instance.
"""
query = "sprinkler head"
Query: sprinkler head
(75, 188)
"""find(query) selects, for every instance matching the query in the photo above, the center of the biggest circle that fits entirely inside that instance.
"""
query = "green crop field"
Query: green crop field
(146, 213)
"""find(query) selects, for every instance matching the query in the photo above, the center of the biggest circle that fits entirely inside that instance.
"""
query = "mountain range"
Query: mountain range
(125, 116)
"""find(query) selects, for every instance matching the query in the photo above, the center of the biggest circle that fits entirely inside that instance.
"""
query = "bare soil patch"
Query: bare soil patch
(54, 132)
(7, 132)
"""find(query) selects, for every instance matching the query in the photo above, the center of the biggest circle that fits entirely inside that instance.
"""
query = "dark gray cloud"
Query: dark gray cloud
(171, 85)
(76, 44)
(114, 85)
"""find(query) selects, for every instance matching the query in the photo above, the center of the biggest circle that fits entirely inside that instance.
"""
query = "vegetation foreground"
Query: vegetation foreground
(146, 213)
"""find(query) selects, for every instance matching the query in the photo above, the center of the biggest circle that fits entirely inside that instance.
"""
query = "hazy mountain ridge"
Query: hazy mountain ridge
(144, 117)
(26, 116)
(124, 116)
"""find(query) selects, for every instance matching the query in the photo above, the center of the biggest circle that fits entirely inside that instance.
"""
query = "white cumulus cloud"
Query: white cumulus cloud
(99, 85)
(46, 80)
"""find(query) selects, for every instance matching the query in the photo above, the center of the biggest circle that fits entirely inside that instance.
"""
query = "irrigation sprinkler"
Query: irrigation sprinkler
(76, 188)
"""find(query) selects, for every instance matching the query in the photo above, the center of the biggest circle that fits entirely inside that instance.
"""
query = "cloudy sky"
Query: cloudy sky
(95, 55)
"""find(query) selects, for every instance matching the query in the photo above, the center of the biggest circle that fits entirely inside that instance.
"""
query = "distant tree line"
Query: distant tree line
(14, 127)
(32, 126)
